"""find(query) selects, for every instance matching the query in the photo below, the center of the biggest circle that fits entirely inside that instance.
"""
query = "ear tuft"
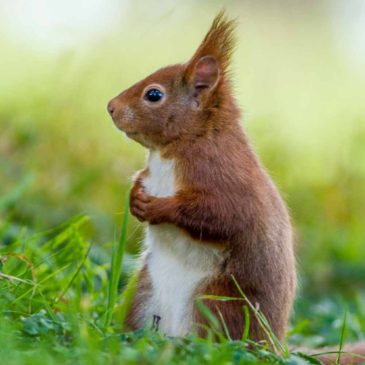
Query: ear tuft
(218, 44)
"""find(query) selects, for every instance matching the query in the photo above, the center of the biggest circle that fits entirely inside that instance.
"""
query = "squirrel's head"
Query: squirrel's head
(183, 101)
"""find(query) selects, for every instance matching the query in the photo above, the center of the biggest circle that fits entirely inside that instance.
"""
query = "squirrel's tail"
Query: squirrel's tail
(351, 354)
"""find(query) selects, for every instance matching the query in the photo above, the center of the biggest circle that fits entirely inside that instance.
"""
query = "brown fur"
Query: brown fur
(143, 291)
(223, 195)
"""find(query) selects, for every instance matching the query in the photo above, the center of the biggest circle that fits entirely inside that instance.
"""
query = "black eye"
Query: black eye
(154, 95)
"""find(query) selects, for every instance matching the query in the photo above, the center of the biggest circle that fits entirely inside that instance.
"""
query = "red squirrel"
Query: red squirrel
(212, 211)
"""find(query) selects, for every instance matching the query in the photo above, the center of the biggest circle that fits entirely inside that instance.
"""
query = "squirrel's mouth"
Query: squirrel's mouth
(124, 127)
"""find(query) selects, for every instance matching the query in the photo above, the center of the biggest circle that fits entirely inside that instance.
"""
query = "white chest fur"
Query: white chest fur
(176, 263)
(161, 179)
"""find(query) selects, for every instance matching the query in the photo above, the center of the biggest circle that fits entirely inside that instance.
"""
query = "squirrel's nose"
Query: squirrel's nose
(111, 108)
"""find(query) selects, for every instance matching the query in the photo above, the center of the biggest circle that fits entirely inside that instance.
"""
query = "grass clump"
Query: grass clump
(63, 302)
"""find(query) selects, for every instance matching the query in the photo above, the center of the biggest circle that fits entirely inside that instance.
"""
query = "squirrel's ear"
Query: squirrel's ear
(211, 60)
(205, 75)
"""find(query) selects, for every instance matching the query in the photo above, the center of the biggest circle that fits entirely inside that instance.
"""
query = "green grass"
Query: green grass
(57, 304)
(63, 301)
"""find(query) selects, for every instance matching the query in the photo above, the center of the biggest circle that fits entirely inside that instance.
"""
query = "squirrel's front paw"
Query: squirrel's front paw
(146, 207)
(139, 204)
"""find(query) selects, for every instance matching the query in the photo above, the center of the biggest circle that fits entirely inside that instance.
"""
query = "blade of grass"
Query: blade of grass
(219, 297)
(246, 329)
(224, 324)
(14, 278)
(342, 339)
(116, 266)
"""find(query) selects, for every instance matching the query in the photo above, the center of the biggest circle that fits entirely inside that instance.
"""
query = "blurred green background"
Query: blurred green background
(299, 76)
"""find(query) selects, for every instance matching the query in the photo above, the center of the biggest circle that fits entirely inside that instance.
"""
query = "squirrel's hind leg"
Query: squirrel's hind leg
(231, 311)
(137, 315)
